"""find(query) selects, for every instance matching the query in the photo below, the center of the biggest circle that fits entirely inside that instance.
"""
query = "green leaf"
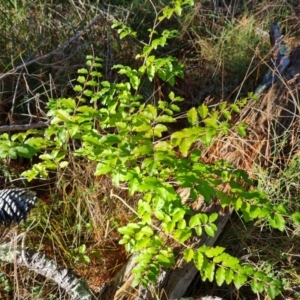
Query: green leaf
(69, 102)
(241, 129)
(206, 190)
(280, 222)
(63, 115)
(188, 254)
(192, 116)
(181, 224)
(63, 164)
(185, 146)
(296, 218)
(209, 230)
(203, 111)
(182, 234)
(194, 221)
(142, 150)
(178, 214)
(178, 9)
(229, 276)
(175, 107)
(220, 276)
(211, 122)
(143, 207)
(126, 230)
(239, 279)
(226, 114)
(142, 243)
(169, 226)
(235, 108)
(102, 168)
(272, 291)
(210, 271)
(229, 261)
(133, 186)
(136, 280)
(203, 218)
(165, 119)
(159, 215)
(214, 251)
(78, 88)
(198, 260)
(92, 83)
(193, 194)
(151, 71)
(166, 259)
(82, 71)
(198, 230)
(257, 286)
(213, 217)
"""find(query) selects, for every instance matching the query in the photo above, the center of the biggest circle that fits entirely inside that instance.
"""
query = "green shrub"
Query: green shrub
(111, 124)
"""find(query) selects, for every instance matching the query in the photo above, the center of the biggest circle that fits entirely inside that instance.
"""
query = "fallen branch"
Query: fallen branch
(24, 127)
(74, 286)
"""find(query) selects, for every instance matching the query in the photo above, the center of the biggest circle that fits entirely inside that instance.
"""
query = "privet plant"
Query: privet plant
(111, 124)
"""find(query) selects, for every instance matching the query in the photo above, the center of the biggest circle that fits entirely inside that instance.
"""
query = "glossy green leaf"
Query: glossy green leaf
(235, 108)
(78, 88)
(63, 115)
(198, 260)
(226, 114)
(209, 230)
(192, 116)
(280, 222)
(82, 71)
(194, 221)
(151, 71)
(220, 276)
(272, 291)
(182, 234)
(210, 271)
(229, 275)
(241, 129)
(230, 261)
(188, 254)
(203, 111)
(214, 251)
(198, 230)
(213, 217)
(102, 168)
(211, 122)
(185, 146)
(159, 215)
(296, 218)
(257, 286)
(166, 259)
(239, 279)
(165, 119)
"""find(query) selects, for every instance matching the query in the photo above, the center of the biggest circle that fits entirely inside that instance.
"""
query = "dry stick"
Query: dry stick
(23, 127)
(28, 63)
(75, 286)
